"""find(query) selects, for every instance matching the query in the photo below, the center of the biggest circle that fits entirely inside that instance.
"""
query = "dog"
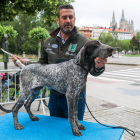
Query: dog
(67, 78)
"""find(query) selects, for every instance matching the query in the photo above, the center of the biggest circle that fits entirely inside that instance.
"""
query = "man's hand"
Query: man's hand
(100, 62)
(14, 59)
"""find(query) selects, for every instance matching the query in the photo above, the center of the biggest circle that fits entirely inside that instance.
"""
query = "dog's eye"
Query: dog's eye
(97, 43)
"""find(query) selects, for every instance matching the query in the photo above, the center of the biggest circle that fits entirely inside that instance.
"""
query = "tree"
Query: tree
(11, 33)
(106, 38)
(133, 41)
(11, 8)
(138, 41)
(111, 39)
(1, 32)
(38, 34)
(23, 24)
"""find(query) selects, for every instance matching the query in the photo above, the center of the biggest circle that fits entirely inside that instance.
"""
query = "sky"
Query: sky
(99, 12)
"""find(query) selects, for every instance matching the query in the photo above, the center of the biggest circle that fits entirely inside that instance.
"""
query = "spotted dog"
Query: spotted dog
(67, 78)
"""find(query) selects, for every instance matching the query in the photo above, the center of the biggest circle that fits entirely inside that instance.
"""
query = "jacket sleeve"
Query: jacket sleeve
(43, 59)
(96, 72)
(44, 56)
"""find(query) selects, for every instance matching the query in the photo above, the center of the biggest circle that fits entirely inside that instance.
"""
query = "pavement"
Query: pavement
(112, 101)
(121, 60)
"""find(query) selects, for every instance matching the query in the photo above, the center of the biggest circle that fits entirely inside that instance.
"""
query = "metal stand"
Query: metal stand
(41, 103)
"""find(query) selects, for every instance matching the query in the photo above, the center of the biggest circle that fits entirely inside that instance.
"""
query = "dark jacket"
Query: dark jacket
(54, 48)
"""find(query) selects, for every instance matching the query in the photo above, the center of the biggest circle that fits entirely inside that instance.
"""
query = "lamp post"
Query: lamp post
(5, 56)
(101, 33)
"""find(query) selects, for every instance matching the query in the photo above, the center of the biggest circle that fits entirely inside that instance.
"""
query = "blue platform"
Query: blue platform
(53, 128)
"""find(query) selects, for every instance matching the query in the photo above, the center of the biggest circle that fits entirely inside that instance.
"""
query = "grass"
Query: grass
(30, 56)
(129, 55)
(34, 59)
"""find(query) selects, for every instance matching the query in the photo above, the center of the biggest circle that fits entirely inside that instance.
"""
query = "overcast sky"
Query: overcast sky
(99, 12)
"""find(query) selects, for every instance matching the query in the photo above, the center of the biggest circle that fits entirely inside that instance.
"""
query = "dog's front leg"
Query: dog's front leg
(71, 113)
(80, 126)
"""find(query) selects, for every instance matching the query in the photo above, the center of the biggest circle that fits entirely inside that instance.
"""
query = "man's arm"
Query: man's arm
(14, 59)
(99, 66)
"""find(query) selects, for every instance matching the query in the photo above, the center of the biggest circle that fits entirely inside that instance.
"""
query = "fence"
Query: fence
(12, 75)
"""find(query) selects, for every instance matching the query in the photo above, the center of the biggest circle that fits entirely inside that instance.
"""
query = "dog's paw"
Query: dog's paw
(34, 118)
(81, 127)
(77, 133)
(18, 127)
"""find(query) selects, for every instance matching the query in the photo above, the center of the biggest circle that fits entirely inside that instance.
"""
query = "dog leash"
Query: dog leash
(132, 133)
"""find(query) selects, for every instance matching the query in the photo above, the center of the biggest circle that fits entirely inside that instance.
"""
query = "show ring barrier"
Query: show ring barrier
(8, 101)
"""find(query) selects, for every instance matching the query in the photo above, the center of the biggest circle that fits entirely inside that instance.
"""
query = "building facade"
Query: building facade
(123, 24)
(87, 31)
(94, 33)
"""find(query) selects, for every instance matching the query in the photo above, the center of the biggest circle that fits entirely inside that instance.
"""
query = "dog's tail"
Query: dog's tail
(18, 62)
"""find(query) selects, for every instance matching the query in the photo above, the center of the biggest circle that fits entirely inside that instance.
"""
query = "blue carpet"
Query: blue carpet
(53, 128)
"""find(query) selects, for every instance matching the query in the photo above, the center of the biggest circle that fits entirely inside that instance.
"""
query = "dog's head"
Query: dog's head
(93, 49)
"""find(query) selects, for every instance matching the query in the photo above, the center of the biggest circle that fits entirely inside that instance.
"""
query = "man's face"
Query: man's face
(66, 20)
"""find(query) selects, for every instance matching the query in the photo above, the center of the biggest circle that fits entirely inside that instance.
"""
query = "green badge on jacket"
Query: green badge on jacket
(72, 47)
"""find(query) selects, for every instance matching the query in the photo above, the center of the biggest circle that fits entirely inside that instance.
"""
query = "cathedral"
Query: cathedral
(124, 24)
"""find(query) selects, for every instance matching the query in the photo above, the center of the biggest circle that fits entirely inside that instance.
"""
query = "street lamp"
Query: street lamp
(6, 57)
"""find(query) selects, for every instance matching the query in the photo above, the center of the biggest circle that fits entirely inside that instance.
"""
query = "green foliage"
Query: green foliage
(1, 32)
(28, 47)
(137, 45)
(50, 10)
(12, 46)
(124, 44)
(11, 33)
(11, 8)
(107, 38)
(48, 28)
(128, 55)
(38, 34)
(22, 24)
(112, 40)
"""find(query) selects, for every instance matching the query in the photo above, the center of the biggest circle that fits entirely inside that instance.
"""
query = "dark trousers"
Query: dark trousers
(58, 105)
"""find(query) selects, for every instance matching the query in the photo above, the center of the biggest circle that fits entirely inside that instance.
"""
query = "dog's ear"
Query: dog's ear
(87, 51)
(82, 59)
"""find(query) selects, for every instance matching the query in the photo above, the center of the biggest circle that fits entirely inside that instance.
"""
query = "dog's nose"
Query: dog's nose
(110, 49)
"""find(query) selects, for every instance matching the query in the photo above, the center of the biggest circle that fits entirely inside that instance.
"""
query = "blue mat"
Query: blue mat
(53, 128)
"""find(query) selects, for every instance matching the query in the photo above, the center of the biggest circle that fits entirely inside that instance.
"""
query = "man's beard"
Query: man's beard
(67, 31)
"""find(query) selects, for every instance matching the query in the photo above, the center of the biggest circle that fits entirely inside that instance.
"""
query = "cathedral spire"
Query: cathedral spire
(113, 23)
(113, 17)
(122, 14)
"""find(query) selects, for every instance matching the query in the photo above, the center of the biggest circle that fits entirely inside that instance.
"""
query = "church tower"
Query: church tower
(131, 27)
(123, 22)
(113, 21)
(126, 25)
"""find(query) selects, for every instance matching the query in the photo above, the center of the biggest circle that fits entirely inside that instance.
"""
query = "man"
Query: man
(65, 42)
